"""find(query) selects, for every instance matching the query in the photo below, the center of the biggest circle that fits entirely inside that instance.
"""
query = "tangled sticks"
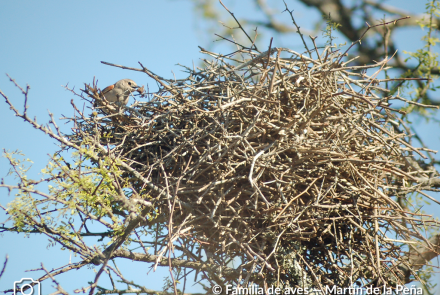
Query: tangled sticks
(292, 167)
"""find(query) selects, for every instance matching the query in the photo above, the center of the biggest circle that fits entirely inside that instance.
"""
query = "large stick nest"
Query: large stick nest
(293, 164)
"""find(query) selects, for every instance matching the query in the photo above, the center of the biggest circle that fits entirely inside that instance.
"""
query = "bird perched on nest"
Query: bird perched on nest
(120, 91)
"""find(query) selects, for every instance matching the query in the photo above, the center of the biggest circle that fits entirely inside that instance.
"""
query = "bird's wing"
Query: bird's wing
(108, 88)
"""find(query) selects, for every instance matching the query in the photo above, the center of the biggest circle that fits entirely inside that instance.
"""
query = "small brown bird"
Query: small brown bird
(120, 91)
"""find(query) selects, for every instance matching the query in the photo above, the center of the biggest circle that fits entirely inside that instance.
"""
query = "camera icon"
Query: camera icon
(24, 287)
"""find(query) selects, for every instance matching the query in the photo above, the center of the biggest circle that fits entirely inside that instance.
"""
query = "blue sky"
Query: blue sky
(48, 44)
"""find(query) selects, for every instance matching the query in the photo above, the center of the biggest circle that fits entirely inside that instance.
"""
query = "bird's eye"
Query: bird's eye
(129, 83)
